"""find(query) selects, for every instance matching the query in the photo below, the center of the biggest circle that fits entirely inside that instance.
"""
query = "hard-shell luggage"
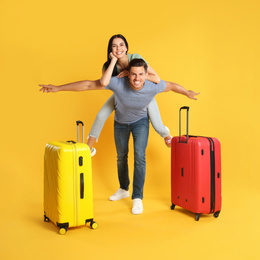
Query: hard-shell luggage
(196, 173)
(68, 195)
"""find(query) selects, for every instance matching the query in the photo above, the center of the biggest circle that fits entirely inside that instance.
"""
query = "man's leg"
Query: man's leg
(140, 131)
(121, 135)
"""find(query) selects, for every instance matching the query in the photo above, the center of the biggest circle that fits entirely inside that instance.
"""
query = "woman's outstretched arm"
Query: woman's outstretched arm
(75, 86)
(85, 84)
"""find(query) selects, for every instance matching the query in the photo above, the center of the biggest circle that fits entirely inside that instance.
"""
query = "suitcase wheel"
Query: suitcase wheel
(216, 214)
(46, 219)
(172, 206)
(197, 217)
(93, 225)
(63, 230)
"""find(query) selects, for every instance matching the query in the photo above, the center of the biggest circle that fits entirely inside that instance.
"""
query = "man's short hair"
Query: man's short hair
(138, 63)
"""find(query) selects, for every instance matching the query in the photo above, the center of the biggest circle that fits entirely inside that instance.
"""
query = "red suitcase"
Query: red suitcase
(195, 173)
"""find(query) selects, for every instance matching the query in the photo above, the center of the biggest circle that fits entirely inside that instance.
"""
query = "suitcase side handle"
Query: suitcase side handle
(80, 123)
(82, 186)
(182, 108)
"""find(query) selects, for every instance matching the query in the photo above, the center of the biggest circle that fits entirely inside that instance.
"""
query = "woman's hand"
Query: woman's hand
(112, 56)
(124, 73)
(49, 88)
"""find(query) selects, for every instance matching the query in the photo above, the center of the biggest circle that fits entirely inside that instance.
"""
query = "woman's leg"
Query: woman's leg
(100, 120)
(159, 127)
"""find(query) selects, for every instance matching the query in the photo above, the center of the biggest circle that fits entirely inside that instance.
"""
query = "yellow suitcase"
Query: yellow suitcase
(68, 194)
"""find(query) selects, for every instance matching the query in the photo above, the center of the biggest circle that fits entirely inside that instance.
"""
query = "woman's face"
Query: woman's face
(119, 48)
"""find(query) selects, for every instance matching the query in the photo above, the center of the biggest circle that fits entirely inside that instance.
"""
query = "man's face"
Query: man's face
(137, 77)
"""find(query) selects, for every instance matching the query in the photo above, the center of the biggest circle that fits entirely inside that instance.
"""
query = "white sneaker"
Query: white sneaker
(120, 194)
(137, 206)
(93, 152)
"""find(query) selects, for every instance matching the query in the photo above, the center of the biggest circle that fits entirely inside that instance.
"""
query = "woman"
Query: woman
(118, 47)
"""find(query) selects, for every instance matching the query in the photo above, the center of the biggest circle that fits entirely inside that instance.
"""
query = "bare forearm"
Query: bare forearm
(171, 86)
(78, 86)
(75, 86)
(153, 78)
(105, 79)
(152, 75)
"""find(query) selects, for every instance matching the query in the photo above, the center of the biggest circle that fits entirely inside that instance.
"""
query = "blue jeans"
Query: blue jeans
(140, 132)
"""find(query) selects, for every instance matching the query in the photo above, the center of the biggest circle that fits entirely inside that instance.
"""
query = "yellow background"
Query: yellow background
(206, 46)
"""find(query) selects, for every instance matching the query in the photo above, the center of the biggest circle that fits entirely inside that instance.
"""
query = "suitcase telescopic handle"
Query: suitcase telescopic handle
(80, 123)
(183, 108)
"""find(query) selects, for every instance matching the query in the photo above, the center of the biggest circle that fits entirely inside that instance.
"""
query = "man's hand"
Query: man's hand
(49, 88)
(124, 73)
(191, 94)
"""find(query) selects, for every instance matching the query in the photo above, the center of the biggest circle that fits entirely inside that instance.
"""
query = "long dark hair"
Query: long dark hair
(109, 49)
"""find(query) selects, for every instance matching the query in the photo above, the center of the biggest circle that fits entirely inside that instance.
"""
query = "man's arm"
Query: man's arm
(170, 86)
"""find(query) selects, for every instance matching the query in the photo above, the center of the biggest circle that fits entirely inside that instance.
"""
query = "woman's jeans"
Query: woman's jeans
(140, 132)
(108, 108)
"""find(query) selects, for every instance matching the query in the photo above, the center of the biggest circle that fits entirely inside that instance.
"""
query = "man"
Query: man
(132, 96)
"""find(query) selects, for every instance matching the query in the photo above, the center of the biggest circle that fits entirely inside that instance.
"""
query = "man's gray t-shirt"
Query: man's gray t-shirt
(131, 105)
